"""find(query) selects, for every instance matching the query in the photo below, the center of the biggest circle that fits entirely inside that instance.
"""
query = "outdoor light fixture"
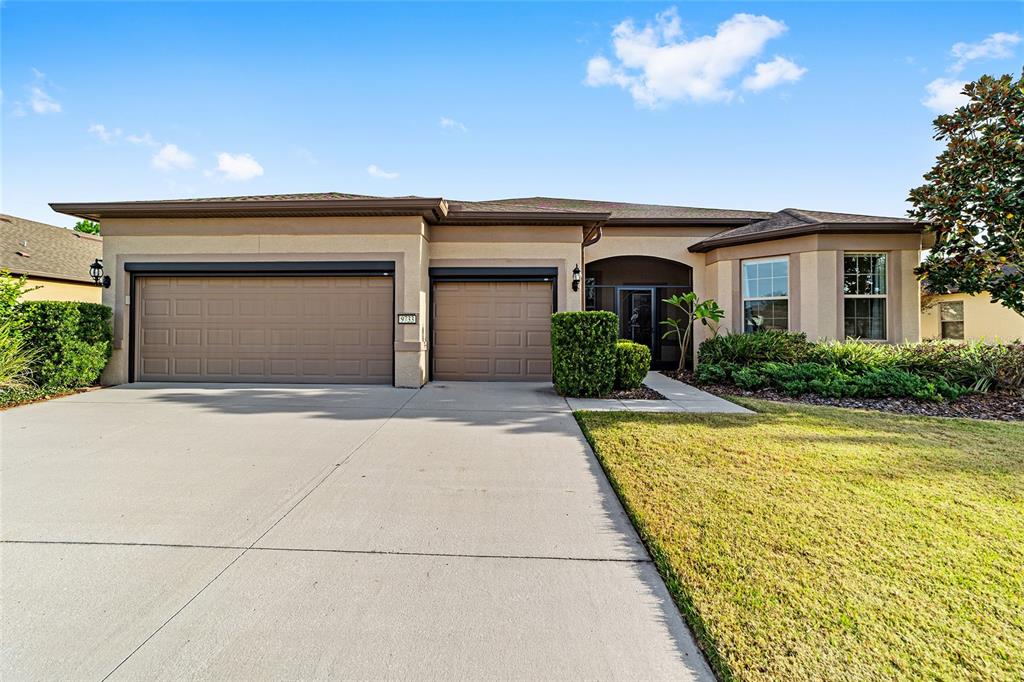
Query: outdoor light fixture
(96, 271)
(576, 278)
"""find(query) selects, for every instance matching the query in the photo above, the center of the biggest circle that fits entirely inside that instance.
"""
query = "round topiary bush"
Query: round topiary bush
(632, 362)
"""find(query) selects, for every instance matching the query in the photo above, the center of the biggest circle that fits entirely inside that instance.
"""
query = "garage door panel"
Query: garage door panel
(286, 329)
(498, 331)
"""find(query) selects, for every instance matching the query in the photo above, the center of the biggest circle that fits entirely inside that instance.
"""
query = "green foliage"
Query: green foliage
(583, 353)
(11, 290)
(852, 355)
(707, 312)
(87, 226)
(15, 358)
(768, 345)
(1010, 372)
(750, 378)
(632, 362)
(973, 198)
(72, 341)
(708, 373)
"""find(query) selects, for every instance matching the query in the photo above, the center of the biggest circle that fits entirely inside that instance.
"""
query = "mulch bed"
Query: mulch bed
(642, 393)
(998, 405)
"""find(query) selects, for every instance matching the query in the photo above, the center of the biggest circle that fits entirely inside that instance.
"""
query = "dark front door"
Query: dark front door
(636, 315)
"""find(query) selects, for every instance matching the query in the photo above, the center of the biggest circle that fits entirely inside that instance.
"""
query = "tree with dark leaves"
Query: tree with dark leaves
(973, 198)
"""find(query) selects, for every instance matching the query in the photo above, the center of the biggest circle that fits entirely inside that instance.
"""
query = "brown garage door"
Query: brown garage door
(265, 329)
(492, 331)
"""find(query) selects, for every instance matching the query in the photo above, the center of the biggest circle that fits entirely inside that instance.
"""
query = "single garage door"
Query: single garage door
(287, 329)
(492, 331)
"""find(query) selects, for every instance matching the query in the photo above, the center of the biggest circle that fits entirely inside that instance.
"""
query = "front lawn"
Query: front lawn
(814, 543)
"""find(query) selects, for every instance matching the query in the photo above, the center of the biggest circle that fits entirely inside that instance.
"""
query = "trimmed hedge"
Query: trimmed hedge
(583, 353)
(72, 341)
(632, 362)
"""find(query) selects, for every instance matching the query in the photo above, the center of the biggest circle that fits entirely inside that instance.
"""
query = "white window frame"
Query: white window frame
(743, 290)
(962, 321)
(884, 297)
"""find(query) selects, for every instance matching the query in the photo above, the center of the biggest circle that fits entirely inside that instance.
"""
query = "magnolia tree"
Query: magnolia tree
(973, 198)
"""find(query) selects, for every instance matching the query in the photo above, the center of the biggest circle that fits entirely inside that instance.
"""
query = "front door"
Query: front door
(636, 315)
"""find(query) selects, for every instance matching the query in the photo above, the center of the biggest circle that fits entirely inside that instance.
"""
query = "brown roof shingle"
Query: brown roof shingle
(41, 250)
(794, 221)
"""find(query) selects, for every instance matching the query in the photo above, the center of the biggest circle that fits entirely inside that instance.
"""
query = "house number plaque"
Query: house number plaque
(406, 318)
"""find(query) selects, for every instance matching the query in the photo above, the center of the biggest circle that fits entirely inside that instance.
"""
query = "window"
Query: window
(765, 294)
(864, 292)
(951, 319)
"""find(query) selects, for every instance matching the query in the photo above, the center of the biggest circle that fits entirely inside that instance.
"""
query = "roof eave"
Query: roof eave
(569, 218)
(681, 222)
(713, 243)
(431, 209)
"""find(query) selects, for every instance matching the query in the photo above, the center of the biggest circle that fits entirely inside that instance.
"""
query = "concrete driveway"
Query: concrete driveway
(254, 532)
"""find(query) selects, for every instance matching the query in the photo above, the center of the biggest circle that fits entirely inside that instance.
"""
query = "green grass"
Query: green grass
(812, 543)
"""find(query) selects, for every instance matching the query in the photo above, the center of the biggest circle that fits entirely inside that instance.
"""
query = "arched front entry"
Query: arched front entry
(634, 288)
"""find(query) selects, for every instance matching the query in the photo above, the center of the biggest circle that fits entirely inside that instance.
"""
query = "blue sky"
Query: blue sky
(134, 101)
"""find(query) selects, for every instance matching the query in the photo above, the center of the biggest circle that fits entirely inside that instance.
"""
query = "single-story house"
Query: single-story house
(338, 287)
(55, 260)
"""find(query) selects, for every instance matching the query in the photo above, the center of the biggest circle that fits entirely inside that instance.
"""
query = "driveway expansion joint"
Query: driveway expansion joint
(333, 550)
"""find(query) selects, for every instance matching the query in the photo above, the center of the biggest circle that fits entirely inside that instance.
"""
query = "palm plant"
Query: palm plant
(707, 312)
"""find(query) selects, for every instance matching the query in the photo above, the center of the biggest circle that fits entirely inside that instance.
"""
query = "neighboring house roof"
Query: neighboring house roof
(41, 250)
(749, 225)
(792, 222)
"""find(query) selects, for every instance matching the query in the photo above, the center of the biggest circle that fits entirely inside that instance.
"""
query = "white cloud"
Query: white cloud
(238, 166)
(378, 172)
(144, 139)
(657, 63)
(171, 157)
(944, 95)
(452, 124)
(41, 102)
(104, 134)
(769, 74)
(996, 46)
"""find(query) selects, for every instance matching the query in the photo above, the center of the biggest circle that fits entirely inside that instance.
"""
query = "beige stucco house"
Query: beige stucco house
(968, 317)
(348, 288)
(54, 260)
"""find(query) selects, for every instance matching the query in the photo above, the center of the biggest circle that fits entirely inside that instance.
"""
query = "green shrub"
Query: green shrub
(768, 345)
(853, 355)
(1010, 373)
(583, 352)
(750, 378)
(632, 362)
(72, 341)
(708, 373)
(15, 358)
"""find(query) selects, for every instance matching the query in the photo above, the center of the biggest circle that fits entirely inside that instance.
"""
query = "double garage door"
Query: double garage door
(333, 329)
(282, 329)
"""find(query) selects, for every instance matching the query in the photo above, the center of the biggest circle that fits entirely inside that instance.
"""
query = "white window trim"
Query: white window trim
(884, 297)
(743, 291)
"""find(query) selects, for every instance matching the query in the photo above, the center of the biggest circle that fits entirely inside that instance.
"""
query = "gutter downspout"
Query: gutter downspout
(590, 237)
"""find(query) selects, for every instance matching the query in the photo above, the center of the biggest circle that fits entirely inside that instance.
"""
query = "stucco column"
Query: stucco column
(411, 297)
(819, 283)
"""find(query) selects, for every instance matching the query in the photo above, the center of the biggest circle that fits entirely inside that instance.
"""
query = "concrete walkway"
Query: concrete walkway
(680, 397)
(266, 532)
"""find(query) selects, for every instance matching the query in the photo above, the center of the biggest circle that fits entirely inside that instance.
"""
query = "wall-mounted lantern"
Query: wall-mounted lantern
(576, 278)
(96, 272)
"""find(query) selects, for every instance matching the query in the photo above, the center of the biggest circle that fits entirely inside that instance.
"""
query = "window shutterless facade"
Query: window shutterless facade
(951, 320)
(865, 291)
(765, 294)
